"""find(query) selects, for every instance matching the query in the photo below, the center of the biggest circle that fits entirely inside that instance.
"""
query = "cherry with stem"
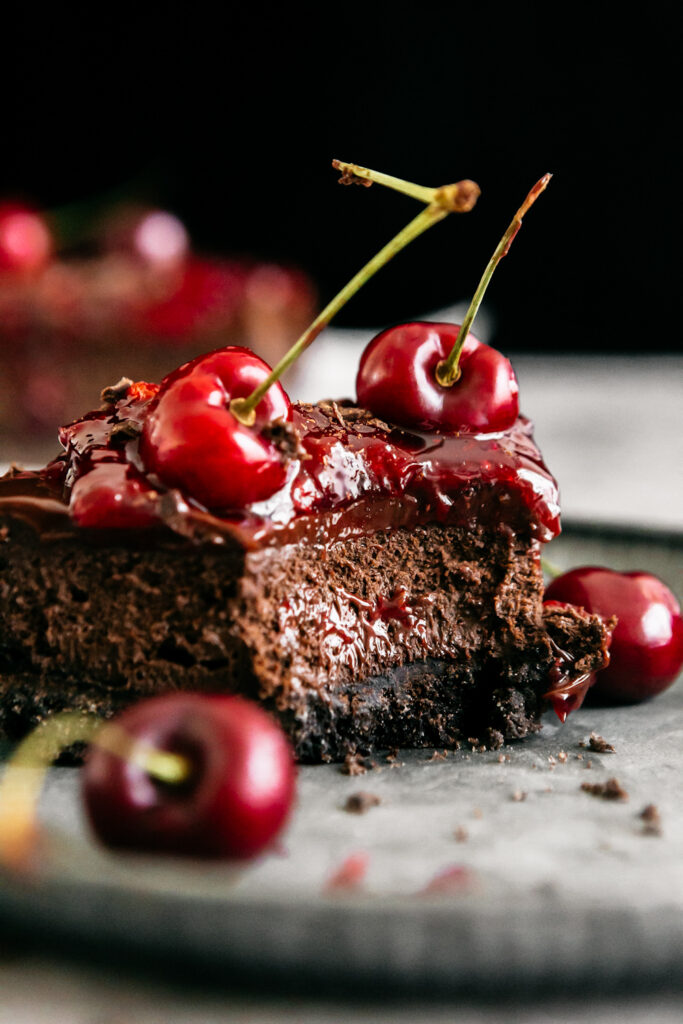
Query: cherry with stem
(448, 370)
(456, 198)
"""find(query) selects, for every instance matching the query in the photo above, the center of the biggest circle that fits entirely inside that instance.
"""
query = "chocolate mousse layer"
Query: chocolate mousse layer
(429, 636)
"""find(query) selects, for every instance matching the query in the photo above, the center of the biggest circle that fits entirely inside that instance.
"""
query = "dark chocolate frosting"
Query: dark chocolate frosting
(353, 475)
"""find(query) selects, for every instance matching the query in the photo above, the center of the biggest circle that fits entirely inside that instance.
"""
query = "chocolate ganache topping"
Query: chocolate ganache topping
(350, 474)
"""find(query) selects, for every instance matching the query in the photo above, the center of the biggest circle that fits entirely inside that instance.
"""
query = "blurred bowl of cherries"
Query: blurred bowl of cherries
(127, 296)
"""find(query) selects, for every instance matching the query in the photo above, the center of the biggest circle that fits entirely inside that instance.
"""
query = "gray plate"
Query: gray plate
(558, 888)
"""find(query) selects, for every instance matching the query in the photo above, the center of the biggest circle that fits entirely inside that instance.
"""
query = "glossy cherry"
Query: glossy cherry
(646, 653)
(235, 799)
(25, 240)
(113, 495)
(423, 375)
(397, 381)
(206, 294)
(191, 439)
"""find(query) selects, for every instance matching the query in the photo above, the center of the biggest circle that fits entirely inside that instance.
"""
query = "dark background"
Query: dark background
(233, 123)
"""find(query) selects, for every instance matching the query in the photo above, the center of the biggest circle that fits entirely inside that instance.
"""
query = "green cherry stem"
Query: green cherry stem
(23, 779)
(457, 198)
(448, 370)
(440, 202)
(550, 569)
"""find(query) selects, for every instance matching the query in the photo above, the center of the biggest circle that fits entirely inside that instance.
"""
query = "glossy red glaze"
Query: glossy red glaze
(192, 441)
(646, 653)
(568, 691)
(397, 381)
(25, 239)
(236, 800)
(350, 481)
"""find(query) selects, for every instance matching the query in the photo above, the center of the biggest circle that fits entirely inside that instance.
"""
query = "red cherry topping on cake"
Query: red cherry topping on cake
(646, 653)
(113, 495)
(241, 371)
(397, 381)
(445, 379)
(25, 240)
(192, 440)
(235, 788)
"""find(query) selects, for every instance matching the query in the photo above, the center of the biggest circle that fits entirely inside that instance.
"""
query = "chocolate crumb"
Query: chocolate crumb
(551, 762)
(355, 764)
(610, 790)
(518, 795)
(286, 439)
(460, 834)
(115, 392)
(579, 757)
(588, 764)
(126, 430)
(361, 802)
(437, 756)
(562, 757)
(600, 745)
(652, 821)
(501, 759)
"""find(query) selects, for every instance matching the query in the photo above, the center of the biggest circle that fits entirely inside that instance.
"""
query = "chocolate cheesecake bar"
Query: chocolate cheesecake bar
(390, 594)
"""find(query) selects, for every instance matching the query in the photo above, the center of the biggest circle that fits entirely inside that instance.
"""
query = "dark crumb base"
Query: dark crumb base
(432, 703)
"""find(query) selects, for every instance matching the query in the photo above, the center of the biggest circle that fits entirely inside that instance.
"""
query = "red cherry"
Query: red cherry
(646, 653)
(397, 381)
(237, 796)
(205, 296)
(241, 372)
(192, 440)
(25, 240)
(113, 495)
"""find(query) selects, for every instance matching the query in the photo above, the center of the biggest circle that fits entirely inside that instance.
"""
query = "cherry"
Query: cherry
(438, 376)
(192, 440)
(25, 240)
(204, 295)
(113, 495)
(230, 798)
(397, 381)
(646, 653)
(241, 371)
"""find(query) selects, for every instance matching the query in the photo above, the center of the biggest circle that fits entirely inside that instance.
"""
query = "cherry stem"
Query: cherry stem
(353, 174)
(23, 779)
(440, 202)
(448, 370)
(550, 569)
